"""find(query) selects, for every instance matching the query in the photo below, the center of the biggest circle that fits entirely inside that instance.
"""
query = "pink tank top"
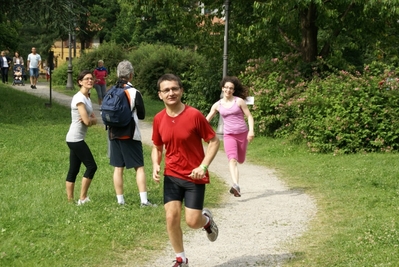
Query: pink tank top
(233, 118)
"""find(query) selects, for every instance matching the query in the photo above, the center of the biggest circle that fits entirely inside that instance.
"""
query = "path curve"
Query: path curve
(253, 229)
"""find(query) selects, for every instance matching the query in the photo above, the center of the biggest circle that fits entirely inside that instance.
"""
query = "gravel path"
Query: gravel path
(253, 229)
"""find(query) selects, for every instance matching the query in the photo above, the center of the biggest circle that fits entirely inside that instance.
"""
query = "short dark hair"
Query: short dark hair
(169, 77)
(82, 74)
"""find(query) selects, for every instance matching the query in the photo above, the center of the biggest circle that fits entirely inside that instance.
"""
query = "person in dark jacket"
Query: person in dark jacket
(5, 64)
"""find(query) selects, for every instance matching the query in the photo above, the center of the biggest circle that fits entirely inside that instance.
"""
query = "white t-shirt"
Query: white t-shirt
(77, 130)
(5, 63)
(34, 60)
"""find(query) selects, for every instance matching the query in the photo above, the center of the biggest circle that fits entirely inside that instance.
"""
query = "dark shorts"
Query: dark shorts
(179, 189)
(126, 153)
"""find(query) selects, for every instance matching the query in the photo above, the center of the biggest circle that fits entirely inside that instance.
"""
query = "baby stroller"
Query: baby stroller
(18, 73)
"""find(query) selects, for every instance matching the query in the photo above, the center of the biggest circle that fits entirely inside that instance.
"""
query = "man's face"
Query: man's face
(33, 50)
(170, 92)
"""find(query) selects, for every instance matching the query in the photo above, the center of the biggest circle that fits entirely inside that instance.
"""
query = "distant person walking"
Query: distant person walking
(125, 146)
(180, 129)
(5, 64)
(33, 65)
(232, 107)
(82, 117)
(100, 84)
(17, 59)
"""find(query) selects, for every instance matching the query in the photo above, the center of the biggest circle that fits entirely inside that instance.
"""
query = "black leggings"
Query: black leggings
(80, 152)
(4, 74)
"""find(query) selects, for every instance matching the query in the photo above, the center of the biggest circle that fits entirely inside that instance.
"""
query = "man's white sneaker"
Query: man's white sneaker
(84, 201)
(148, 204)
(211, 228)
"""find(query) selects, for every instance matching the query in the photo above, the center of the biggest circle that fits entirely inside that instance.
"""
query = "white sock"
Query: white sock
(121, 199)
(207, 220)
(143, 197)
(181, 255)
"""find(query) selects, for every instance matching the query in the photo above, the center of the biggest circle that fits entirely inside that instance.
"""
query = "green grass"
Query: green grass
(357, 198)
(38, 227)
(357, 222)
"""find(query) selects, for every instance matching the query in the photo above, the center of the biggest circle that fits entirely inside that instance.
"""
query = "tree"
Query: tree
(40, 24)
(311, 28)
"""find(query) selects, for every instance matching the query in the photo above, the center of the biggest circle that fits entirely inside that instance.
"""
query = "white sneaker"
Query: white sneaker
(212, 230)
(148, 204)
(84, 201)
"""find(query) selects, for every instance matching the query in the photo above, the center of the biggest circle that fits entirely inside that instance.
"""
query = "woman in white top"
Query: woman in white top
(82, 118)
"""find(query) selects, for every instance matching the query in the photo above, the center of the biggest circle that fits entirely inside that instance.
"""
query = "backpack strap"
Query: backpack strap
(131, 96)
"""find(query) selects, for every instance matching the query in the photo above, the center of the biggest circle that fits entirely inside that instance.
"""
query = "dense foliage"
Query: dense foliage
(110, 53)
(200, 78)
(311, 64)
(340, 113)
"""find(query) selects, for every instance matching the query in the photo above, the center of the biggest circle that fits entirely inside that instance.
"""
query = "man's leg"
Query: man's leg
(36, 76)
(173, 213)
(195, 219)
(142, 185)
(140, 179)
(118, 184)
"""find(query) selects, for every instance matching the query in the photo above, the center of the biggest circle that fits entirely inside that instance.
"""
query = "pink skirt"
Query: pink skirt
(235, 146)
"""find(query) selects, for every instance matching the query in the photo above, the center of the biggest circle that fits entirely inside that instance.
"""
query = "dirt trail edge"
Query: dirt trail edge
(253, 229)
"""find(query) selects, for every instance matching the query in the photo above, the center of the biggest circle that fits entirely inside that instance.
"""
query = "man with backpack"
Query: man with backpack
(121, 109)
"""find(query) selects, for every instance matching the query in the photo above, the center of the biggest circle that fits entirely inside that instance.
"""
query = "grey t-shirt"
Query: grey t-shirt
(77, 130)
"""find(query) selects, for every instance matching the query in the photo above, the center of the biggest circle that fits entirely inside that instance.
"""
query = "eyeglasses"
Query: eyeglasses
(229, 88)
(86, 79)
(167, 91)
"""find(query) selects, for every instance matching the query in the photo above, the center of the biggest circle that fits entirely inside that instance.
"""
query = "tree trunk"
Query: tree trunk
(309, 33)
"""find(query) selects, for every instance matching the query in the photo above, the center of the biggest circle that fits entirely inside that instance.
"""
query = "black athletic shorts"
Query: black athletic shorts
(179, 189)
(126, 153)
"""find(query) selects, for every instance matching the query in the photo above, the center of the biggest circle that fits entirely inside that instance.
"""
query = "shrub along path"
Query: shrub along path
(253, 230)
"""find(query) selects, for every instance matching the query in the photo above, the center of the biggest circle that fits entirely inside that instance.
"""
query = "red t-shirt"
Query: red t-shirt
(182, 136)
(100, 75)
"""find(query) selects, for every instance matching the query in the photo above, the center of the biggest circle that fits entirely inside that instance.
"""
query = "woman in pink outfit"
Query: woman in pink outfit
(236, 135)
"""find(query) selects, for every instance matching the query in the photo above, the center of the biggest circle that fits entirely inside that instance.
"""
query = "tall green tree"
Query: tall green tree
(310, 28)
(343, 31)
(41, 21)
(98, 20)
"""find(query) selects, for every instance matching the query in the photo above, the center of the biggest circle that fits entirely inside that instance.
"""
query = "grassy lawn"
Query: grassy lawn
(357, 223)
(357, 197)
(37, 225)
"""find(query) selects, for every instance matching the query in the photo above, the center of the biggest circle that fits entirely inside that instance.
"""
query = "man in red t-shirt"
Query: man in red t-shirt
(180, 129)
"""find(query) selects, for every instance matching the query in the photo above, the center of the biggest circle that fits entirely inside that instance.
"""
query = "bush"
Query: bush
(341, 113)
(199, 79)
(346, 113)
(111, 53)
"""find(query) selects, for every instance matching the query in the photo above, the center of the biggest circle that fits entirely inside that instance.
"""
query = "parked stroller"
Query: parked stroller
(18, 73)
